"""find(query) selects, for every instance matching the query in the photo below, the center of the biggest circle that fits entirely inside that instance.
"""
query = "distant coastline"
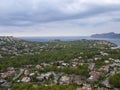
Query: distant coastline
(111, 35)
(69, 38)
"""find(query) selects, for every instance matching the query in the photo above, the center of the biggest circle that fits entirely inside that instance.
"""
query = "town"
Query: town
(60, 65)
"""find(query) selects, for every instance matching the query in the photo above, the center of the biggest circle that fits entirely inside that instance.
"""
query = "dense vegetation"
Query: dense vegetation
(115, 80)
(42, 87)
(55, 50)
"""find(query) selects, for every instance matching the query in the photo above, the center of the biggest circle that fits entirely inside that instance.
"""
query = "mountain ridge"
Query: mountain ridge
(107, 35)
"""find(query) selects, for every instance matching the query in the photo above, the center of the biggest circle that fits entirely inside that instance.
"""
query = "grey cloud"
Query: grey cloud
(116, 20)
(30, 12)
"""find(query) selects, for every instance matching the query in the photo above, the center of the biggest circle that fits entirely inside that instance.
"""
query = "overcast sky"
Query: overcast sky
(59, 17)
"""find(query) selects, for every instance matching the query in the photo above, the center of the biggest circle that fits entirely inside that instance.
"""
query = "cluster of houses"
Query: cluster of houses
(32, 73)
(11, 46)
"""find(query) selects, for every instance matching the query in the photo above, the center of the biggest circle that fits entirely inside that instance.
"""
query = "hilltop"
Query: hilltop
(12, 46)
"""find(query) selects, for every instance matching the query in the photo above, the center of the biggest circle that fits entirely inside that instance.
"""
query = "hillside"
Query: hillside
(12, 46)
(66, 64)
(107, 35)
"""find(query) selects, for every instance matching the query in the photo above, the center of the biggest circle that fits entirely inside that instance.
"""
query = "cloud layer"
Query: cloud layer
(45, 15)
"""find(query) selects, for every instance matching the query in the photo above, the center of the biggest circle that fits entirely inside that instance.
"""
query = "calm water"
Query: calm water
(45, 39)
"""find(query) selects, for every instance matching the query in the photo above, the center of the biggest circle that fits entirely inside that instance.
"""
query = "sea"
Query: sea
(68, 38)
